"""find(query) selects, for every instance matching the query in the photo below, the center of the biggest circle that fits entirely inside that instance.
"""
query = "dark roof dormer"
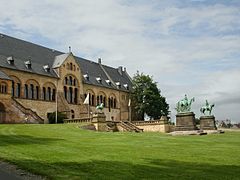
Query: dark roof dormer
(118, 84)
(10, 60)
(86, 76)
(99, 80)
(126, 86)
(108, 82)
(46, 68)
(28, 64)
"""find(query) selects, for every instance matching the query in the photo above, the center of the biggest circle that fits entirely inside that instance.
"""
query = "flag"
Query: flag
(129, 102)
(86, 101)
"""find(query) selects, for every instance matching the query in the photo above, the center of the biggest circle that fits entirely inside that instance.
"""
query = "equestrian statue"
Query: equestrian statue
(100, 107)
(207, 109)
(184, 105)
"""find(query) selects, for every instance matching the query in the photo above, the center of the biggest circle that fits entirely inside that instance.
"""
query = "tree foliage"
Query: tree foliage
(147, 99)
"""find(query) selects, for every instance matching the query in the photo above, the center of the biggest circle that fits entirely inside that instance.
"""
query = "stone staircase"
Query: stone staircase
(130, 127)
(32, 115)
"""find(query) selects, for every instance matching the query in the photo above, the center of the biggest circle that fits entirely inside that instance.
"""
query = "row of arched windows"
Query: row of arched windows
(71, 94)
(111, 103)
(3, 87)
(71, 66)
(70, 81)
(70, 89)
(32, 90)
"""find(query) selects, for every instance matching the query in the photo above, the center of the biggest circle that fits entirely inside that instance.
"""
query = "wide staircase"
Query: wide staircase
(27, 111)
(128, 126)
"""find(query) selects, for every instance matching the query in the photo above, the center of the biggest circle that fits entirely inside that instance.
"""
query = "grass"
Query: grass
(68, 152)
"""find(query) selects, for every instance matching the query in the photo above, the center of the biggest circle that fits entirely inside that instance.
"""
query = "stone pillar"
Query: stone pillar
(207, 123)
(163, 120)
(99, 121)
(185, 122)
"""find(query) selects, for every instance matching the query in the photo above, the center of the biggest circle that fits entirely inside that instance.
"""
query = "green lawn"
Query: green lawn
(68, 152)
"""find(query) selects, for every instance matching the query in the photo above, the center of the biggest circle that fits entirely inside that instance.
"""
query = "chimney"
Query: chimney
(99, 61)
(125, 70)
(120, 70)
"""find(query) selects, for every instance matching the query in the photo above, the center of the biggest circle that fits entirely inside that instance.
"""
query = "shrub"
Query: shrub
(52, 117)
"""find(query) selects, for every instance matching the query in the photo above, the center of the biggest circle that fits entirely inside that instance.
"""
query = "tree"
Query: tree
(147, 99)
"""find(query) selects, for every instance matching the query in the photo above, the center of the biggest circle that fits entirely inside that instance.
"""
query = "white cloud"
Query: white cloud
(179, 46)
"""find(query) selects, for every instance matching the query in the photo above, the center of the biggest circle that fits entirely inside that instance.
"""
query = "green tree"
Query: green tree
(147, 99)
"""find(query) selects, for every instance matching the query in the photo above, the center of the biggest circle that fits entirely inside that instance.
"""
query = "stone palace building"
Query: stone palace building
(35, 81)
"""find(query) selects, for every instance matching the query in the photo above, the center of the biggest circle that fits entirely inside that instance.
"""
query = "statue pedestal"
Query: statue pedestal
(207, 123)
(185, 122)
(99, 121)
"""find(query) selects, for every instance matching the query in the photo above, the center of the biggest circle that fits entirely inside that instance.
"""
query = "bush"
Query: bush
(52, 117)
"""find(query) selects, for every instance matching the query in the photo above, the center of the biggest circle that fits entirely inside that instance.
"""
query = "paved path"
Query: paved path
(5, 173)
(11, 172)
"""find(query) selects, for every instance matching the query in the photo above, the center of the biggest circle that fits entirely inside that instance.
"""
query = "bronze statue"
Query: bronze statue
(184, 105)
(207, 109)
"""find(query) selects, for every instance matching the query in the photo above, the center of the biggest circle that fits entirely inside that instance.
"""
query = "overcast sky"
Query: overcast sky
(189, 46)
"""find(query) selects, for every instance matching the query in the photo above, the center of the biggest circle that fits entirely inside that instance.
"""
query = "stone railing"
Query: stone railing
(78, 120)
(147, 122)
(27, 111)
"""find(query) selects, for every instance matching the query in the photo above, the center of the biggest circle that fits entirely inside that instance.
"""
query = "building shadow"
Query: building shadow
(6, 140)
(151, 169)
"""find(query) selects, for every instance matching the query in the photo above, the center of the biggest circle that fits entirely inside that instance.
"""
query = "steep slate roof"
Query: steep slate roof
(39, 56)
(4, 76)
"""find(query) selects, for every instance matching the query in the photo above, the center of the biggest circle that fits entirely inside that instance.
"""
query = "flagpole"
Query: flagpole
(56, 118)
(88, 111)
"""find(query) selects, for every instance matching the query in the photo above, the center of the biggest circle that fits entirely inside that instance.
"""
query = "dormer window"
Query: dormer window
(99, 80)
(10, 60)
(118, 84)
(86, 76)
(28, 64)
(46, 68)
(126, 86)
(108, 82)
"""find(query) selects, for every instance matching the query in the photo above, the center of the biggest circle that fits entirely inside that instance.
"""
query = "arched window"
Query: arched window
(74, 82)
(93, 100)
(13, 88)
(70, 95)
(66, 81)
(67, 65)
(31, 91)
(74, 67)
(26, 91)
(97, 100)
(65, 92)
(37, 92)
(71, 66)
(16, 86)
(44, 93)
(70, 80)
(101, 98)
(3, 87)
(104, 102)
(75, 95)
(49, 94)
(114, 103)
(54, 95)
(18, 90)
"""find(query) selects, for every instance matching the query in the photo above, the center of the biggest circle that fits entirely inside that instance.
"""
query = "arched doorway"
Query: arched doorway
(2, 113)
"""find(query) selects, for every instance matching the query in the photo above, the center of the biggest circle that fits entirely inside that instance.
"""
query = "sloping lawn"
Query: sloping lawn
(68, 152)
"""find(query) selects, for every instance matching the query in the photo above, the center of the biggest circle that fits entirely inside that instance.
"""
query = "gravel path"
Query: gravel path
(11, 172)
